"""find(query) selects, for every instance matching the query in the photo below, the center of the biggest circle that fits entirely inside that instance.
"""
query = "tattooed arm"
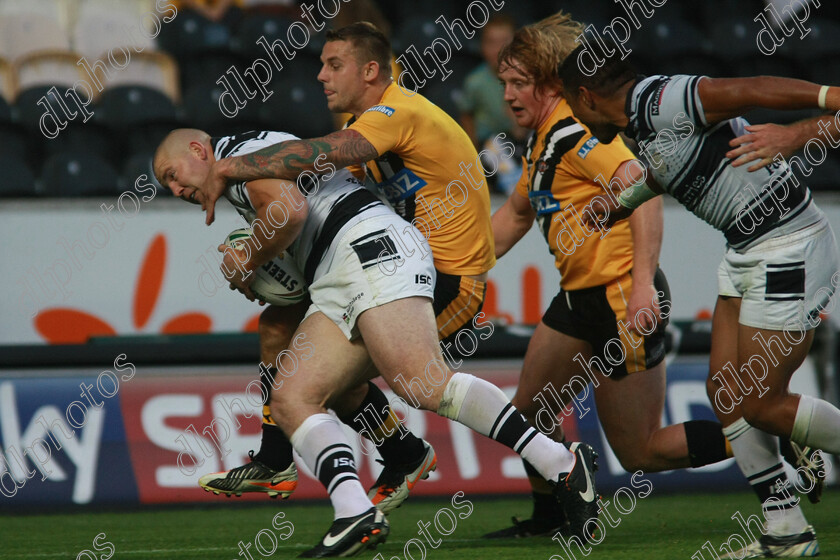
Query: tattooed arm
(286, 160)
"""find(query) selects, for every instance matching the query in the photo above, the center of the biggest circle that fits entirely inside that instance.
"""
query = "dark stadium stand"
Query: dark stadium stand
(289, 109)
(78, 173)
(714, 37)
(18, 180)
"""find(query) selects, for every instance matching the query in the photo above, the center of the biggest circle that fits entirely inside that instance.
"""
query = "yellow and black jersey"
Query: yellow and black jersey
(427, 169)
(559, 175)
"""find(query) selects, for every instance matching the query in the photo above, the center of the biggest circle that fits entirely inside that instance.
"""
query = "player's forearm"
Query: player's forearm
(726, 97)
(285, 160)
(646, 225)
(508, 228)
(804, 130)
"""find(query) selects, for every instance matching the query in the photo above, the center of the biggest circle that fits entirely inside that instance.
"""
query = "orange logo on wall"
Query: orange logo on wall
(63, 325)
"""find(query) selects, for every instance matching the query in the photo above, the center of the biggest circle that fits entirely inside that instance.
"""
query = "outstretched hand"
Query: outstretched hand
(212, 189)
(763, 143)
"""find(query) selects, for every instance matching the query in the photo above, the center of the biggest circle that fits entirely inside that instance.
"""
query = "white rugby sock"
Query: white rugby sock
(817, 424)
(483, 407)
(321, 444)
(757, 455)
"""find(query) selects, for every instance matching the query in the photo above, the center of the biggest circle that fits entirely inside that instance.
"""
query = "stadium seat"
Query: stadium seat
(417, 30)
(712, 14)
(298, 107)
(137, 165)
(147, 137)
(254, 27)
(203, 67)
(190, 34)
(127, 106)
(18, 180)
(78, 136)
(78, 174)
(732, 41)
(304, 68)
(8, 81)
(5, 110)
(153, 70)
(51, 68)
(62, 11)
(24, 33)
(104, 26)
(678, 47)
(13, 140)
(201, 110)
(29, 111)
(819, 51)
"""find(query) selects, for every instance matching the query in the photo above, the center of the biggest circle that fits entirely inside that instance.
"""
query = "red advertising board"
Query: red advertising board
(173, 441)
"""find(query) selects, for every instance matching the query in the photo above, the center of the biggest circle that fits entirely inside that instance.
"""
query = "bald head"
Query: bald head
(183, 160)
(177, 145)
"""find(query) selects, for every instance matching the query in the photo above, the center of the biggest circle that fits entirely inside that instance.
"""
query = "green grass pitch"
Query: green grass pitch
(660, 527)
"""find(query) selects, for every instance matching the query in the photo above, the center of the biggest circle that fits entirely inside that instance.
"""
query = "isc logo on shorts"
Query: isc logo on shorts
(422, 279)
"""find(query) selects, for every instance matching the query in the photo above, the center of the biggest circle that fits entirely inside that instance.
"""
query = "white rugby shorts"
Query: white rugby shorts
(784, 282)
(367, 268)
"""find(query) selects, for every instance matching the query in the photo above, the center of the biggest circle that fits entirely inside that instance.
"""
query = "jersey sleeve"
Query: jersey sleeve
(384, 127)
(661, 98)
(591, 158)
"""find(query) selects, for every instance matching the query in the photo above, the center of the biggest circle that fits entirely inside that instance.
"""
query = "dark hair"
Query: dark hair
(369, 44)
(614, 73)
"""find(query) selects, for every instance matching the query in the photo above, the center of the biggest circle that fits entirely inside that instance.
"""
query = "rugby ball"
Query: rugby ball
(278, 282)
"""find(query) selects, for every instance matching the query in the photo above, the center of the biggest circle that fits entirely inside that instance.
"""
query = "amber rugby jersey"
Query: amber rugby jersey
(427, 170)
(559, 175)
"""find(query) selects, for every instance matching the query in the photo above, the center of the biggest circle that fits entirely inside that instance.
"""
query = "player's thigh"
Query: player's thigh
(276, 326)
(402, 341)
(547, 369)
(723, 357)
(314, 375)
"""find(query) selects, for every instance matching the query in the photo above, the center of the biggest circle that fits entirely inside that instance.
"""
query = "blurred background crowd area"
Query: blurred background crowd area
(141, 70)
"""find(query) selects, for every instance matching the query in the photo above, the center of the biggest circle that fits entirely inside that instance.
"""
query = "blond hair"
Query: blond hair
(538, 49)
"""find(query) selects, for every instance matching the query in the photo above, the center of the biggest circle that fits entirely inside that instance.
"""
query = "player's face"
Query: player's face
(528, 106)
(600, 126)
(342, 77)
(183, 176)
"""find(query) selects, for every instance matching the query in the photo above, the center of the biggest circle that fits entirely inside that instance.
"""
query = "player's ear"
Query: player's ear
(586, 97)
(198, 149)
(371, 70)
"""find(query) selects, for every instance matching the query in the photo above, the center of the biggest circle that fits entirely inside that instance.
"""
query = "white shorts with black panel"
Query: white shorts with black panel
(366, 267)
(783, 281)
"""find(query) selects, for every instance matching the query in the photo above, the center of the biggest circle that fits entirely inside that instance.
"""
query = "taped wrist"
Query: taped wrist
(635, 195)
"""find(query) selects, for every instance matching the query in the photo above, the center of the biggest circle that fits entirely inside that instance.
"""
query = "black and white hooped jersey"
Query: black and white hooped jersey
(687, 156)
(335, 203)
